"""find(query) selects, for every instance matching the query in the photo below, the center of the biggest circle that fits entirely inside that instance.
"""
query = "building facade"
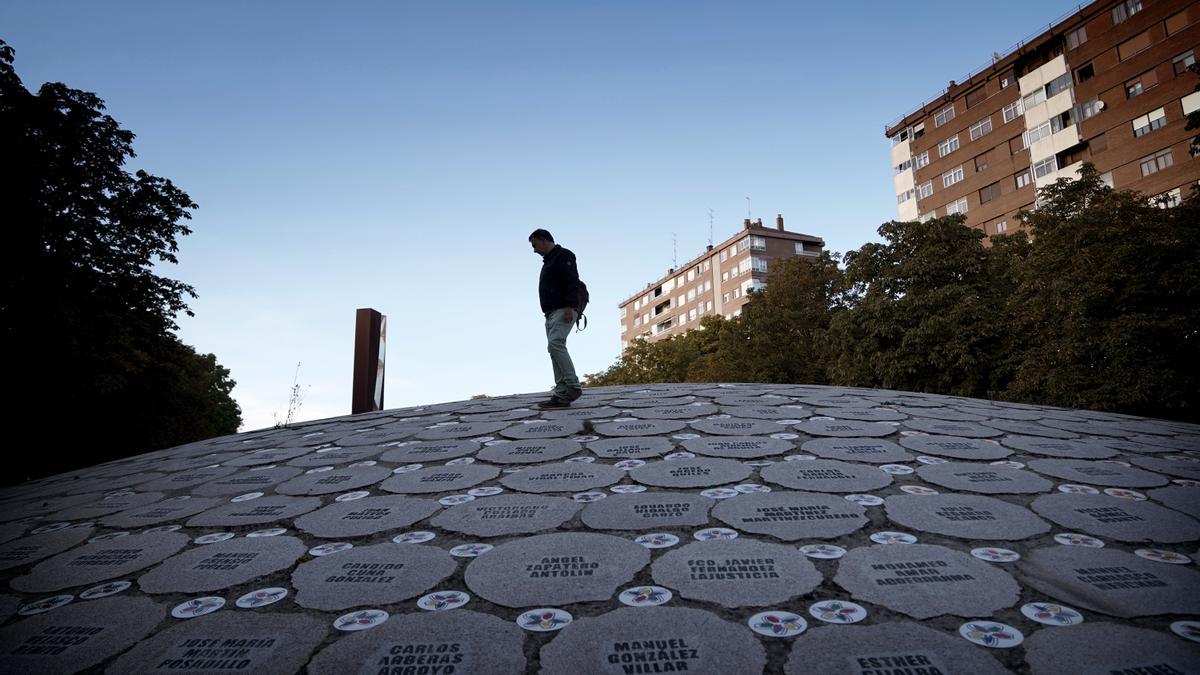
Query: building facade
(714, 283)
(1108, 84)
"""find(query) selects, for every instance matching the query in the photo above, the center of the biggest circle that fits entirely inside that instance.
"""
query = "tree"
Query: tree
(82, 311)
(1107, 309)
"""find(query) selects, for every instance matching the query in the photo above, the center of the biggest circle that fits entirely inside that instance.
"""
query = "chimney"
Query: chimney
(709, 248)
(758, 223)
(746, 223)
(779, 221)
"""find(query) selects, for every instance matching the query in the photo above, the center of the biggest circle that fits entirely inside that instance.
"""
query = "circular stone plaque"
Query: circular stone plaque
(507, 514)
(956, 447)
(826, 475)
(563, 477)
(965, 516)
(1112, 582)
(639, 427)
(38, 546)
(691, 473)
(367, 516)
(461, 641)
(440, 479)
(106, 505)
(876, 451)
(228, 640)
(902, 647)
(160, 512)
(92, 563)
(983, 478)
(1097, 473)
(1182, 468)
(653, 639)
(647, 511)
(631, 447)
(791, 516)
(733, 426)
(846, 428)
(222, 565)
(1119, 519)
(337, 480)
(255, 512)
(555, 569)
(461, 430)
(76, 638)
(737, 572)
(951, 428)
(560, 428)
(382, 574)
(739, 447)
(1182, 498)
(247, 481)
(1069, 449)
(924, 580)
(525, 452)
(1109, 648)
(430, 451)
(678, 412)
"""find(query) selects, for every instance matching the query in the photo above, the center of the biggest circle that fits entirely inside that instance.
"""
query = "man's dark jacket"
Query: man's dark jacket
(558, 286)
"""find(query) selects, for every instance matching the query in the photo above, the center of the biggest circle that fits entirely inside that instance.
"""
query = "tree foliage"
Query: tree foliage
(83, 313)
(1098, 306)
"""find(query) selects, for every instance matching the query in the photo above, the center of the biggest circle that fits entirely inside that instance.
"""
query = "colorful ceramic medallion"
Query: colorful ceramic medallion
(105, 590)
(1117, 462)
(823, 551)
(443, 600)
(408, 468)
(645, 596)
(588, 497)
(361, 620)
(213, 538)
(365, 462)
(711, 533)
(327, 549)
(1163, 556)
(51, 527)
(1122, 493)
(107, 537)
(865, 500)
(455, 500)
(627, 489)
(1008, 463)
(544, 619)
(416, 537)
(760, 463)
(1000, 555)
(319, 469)
(719, 493)
(991, 634)
(269, 532)
(470, 550)
(461, 460)
(352, 496)
(837, 611)
(918, 490)
(163, 528)
(1076, 539)
(896, 469)
(777, 624)
(1186, 482)
(485, 491)
(1188, 630)
(630, 464)
(893, 538)
(584, 439)
(45, 605)
(925, 459)
(784, 436)
(246, 497)
(657, 540)
(195, 607)
(682, 454)
(1051, 614)
(799, 458)
(1071, 488)
(747, 488)
(262, 597)
(584, 459)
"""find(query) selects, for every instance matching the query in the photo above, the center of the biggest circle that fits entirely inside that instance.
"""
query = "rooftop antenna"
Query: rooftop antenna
(748, 208)
(710, 225)
(674, 252)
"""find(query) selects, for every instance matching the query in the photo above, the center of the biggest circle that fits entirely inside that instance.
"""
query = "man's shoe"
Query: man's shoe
(554, 402)
(573, 394)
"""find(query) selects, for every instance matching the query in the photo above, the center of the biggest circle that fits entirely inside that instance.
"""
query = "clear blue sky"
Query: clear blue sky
(397, 154)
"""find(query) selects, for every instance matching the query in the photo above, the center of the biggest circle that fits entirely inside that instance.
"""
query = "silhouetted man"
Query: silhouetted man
(558, 291)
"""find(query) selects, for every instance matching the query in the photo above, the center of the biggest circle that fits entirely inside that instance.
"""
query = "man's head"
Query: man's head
(542, 241)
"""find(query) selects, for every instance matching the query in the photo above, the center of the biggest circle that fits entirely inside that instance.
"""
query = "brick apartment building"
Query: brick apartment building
(715, 282)
(1107, 84)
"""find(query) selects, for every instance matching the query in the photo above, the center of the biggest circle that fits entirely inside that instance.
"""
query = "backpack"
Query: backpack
(581, 304)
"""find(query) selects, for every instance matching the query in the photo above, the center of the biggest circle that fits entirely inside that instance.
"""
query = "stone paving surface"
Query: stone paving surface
(646, 529)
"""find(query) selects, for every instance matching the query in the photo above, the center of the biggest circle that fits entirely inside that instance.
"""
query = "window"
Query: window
(1017, 144)
(959, 206)
(724, 256)
(1099, 143)
(1037, 133)
(758, 265)
(1141, 83)
(708, 306)
(1156, 119)
(926, 217)
(976, 96)
(679, 301)
(691, 295)
(1001, 226)
(1167, 199)
(1134, 45)
(744, 267)
(1012, 111)
(691, 276)
(921, 161)
(1156, 162)
(692, 315)
(1045, 167)
(743, 244)
(726, 298)
(1058, 85)
(1183, 61)
(663, 326)
(948, 146)
(1106, 178)
(733, 272)
(944, 115)
(1085, 73)
(1076, 37)
(737, 293)
(1125, 10)
(1060, 122)
(905, 196)
(981, 163)
(707, 265)
(981, 128)
(990, 192)
(1036, 98)
(902, 167)
(708, 285)
(1177, 22)
(724, 276)
(1024, 179)
(1089, 108)
(951, 177)
(1007, 79)
(758, 244)
(924, 190)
